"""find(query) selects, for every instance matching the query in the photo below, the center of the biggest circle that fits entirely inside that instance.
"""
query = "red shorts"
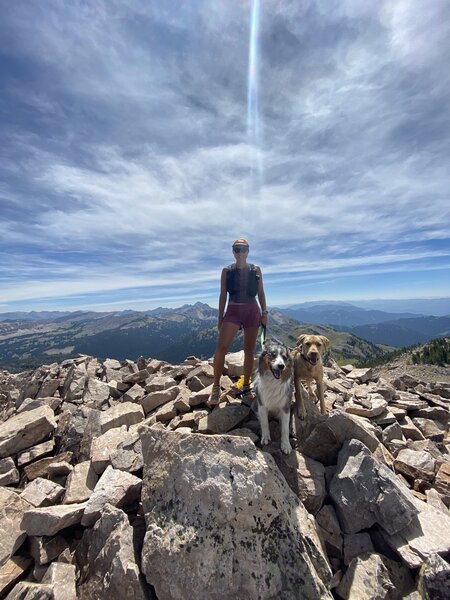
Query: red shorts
(244, 315)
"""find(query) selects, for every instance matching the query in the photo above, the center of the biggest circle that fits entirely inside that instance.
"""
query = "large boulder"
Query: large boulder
(106, 559)
(366, 492)
(222, 522)
(25, 430)
(12, 509)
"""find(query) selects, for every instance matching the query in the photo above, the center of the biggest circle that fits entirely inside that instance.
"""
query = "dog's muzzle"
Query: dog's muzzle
(277, 370)
(313, 359)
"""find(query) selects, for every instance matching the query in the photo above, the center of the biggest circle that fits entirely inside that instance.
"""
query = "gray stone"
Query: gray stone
(431, 430)
(328, 434)
(427, 534)
(27, 456)
(97, 393)
(415, 464)
(12, 509)
(25, 430)
(80, 483)
(59, 469)
(25, 590)
(134, 394)
(409, 430)
(223, 418)
(42, 492)
(106, 559)
(305, 476)
(51, 519)
(115, 487)
(408, 401)
(126, 413)
(224, 513)
(112, 363)
(330, 531)
(12, 571)
(103, 446)
(367, 578)
(40, 467)
(442, 481)
(365, 492)
(392, 432)
(136, 377)
(356, 544)
(361, 375)
(375, 406)
(156, 399)
(8, 472)
(128, 454)
(157, 383)
(46, 549)
(62, 577)
(434, 579)
(434, 499)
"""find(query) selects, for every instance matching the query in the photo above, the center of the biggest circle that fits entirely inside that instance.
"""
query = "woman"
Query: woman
(243, 282)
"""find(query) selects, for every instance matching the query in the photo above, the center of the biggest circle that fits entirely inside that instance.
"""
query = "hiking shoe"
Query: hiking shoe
(214, 397)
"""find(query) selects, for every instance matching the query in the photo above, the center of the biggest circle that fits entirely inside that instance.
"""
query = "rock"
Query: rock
(103, 446)
(385, 418)
(114, 487)
(305, 477)
(409, 430)
(106, 559)
(12, 509)
(435, 413)
(8, 472)
(426, 534)
(434, 579)
(97, 393)
(442, 481)
(62, 578)
(42, 492)
(40, 467)
(25, 590)
(330, 531)
(236, 522)
(59, 469)
(361, 375)
(157, 399)
(431, 430)
(408, 401)
(366, 492)
(136, 377)
(435, 499)
(392, 432)
(134, 394)
(51, 519)
(128, 454)
(112, 363)
(356, 544)
(415, 464)
(12, 571)
(328, 434)
(223, 418)
(80, 483)
(45, 549)
(367, 578)
(375, 405)
(126, 413)
(27, 456)
(25, 430)
(200, 397)
(158, 383)
(166, 412)
(245, 432)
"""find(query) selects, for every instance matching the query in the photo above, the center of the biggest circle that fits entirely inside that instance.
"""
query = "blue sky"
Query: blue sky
(129, 163)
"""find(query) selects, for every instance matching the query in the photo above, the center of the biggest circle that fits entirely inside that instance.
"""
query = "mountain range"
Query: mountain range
(168, 334)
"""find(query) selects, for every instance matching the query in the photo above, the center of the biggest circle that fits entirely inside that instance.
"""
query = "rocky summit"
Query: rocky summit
(117, 482)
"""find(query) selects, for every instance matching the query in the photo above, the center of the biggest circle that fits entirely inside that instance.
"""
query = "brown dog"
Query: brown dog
(308, 366)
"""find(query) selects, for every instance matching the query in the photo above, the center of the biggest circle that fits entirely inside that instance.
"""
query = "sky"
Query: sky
(140, 138)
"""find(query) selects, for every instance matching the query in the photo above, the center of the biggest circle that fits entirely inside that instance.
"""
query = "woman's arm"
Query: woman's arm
(262, 297)
(223, 296)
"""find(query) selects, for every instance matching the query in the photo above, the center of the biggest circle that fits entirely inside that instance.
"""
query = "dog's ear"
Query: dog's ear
(300, 340)
(325, 341)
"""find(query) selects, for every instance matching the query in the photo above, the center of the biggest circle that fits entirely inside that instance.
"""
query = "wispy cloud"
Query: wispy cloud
(126, 163)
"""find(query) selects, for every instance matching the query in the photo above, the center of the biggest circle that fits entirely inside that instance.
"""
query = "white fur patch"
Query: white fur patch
(274, 394)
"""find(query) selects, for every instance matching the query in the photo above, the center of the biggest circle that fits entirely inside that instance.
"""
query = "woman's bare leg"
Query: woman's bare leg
(250, 335)
(226, 336)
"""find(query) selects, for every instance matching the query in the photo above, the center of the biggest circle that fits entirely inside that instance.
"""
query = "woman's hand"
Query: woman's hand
(264, 319)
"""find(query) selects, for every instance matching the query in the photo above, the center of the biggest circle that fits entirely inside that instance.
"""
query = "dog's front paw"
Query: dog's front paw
(265, 439)
(286, 447)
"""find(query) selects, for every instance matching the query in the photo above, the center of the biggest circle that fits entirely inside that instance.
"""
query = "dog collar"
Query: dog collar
(307, 359)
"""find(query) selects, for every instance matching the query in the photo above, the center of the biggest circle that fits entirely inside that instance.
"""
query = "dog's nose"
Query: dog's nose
(280, 366)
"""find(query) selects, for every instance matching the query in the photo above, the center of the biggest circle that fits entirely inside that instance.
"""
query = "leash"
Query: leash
(263, 336)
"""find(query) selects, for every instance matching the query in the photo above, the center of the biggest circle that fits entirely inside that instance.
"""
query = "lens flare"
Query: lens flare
(253, 117)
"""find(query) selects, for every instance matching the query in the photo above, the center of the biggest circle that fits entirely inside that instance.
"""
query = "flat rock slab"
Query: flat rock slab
(26, 590)
(12, 509)
(434, 579)
(49, 520)
(427, 534)
(367, 578)
(221, 520)
(126, 413)
(415, 464)
(25, 430)
(80, 483)
(223, 418)
(12, 571)
(114, 487)
(40, 468)
(27, 456)
(374, 406)
(365, 492)
(42, 492)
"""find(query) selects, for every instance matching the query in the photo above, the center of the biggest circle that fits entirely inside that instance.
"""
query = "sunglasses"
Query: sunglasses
(238, 249)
